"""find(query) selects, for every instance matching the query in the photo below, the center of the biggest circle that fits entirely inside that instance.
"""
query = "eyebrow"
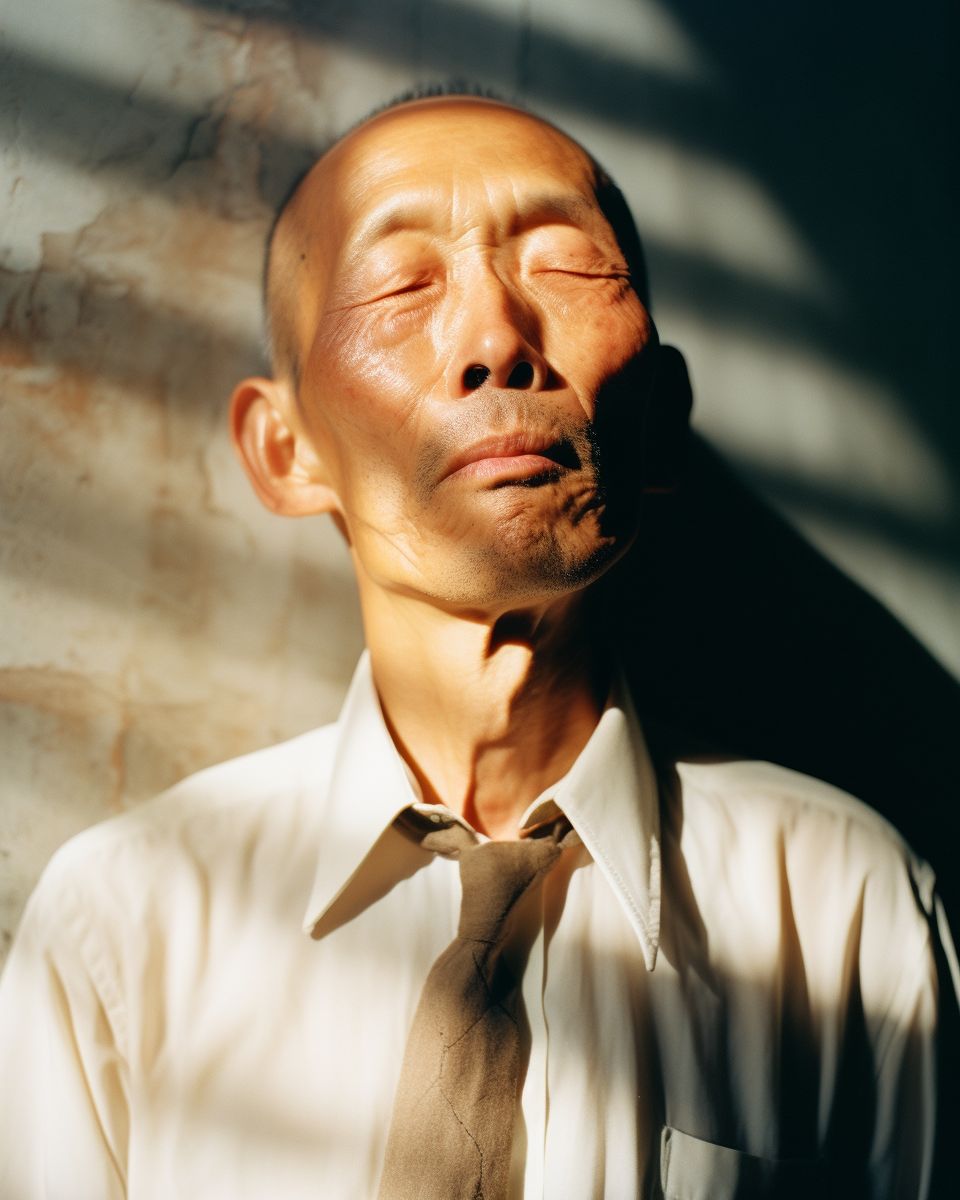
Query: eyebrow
(404, 213)
(395, 215)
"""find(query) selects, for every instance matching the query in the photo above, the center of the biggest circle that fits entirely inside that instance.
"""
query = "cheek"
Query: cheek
(592, 341)
(370, 378)
(351, 392)
(360, 404)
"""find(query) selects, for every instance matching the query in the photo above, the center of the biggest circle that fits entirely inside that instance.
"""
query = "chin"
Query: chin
(506, 576)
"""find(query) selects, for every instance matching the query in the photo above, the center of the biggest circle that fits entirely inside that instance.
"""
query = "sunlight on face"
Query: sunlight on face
(470, 343)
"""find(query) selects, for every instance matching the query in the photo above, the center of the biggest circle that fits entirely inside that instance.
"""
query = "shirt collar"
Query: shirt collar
(609, 796)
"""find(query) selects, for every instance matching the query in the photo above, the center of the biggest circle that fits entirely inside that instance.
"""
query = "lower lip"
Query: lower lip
(515, 466)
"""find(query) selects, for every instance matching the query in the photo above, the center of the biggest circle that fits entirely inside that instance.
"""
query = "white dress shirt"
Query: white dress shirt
(731, 990)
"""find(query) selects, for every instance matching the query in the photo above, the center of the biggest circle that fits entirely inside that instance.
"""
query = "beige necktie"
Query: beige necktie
(455, 1107)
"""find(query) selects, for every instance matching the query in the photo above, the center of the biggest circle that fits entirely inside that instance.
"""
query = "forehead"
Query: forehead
(443, 143)
(439, 150)
(458, 135)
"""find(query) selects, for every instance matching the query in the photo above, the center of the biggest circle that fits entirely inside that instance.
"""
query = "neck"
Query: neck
(488, 712)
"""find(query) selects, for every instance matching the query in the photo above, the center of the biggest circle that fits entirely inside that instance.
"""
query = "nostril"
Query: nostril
(475, 375)
(521, 376)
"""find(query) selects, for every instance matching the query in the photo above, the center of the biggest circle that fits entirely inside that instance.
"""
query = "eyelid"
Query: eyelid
(391, 291)
(621, 273)
(588, 260)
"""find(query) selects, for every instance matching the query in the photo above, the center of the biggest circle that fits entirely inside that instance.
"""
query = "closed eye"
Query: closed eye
(584, 273)
(406, 289)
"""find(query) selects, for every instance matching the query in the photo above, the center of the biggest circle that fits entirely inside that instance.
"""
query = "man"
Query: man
(719, 979)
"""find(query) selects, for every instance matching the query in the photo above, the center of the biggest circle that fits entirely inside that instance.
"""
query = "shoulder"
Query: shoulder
(270, 799)
(777, 841)
(758, 795)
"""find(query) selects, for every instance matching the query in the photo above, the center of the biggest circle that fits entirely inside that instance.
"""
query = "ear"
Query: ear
(666, 422)
(284, 468)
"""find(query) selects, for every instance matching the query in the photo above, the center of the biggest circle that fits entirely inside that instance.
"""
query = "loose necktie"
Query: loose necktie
(455, 1108)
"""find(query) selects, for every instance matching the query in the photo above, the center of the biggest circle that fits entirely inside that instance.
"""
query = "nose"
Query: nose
(494, 342)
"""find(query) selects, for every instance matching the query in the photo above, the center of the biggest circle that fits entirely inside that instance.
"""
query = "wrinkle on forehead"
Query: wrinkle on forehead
(445, 142)
(429, 211)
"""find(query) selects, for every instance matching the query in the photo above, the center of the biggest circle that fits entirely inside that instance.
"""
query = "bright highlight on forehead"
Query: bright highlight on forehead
(511, 123)
(423, 129)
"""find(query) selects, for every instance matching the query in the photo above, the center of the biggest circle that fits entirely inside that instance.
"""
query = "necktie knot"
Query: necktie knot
(495, 876)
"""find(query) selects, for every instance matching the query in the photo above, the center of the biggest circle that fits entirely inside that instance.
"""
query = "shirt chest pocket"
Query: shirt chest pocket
(691, 1169)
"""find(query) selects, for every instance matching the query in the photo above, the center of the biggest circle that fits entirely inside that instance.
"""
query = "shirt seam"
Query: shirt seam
(93, 956)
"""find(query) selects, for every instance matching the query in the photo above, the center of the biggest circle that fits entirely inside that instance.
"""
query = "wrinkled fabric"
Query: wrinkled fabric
(731, 983)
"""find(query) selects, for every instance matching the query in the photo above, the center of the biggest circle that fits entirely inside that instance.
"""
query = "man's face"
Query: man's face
(466, 331)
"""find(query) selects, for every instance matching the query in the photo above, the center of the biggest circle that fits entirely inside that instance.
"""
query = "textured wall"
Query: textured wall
(788, 169)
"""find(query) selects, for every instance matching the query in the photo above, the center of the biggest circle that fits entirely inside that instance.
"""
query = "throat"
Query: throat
(489, 717)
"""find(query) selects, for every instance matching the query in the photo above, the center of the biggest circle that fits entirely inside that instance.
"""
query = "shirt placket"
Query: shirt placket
(534, 1099)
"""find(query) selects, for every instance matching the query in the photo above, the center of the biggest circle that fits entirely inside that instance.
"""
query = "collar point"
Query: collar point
(650, 951)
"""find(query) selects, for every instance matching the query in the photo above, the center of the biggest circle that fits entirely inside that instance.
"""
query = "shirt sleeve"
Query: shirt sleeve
(913, 1155)
(63, 1103)
(944, 1167)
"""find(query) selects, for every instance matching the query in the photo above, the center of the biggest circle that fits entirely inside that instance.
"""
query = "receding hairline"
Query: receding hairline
(279, 325)
(396, 110)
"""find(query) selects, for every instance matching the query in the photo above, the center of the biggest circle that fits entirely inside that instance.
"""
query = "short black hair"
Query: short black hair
(612, 202)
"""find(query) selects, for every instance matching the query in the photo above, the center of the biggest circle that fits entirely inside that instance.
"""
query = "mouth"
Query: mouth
(523, 458)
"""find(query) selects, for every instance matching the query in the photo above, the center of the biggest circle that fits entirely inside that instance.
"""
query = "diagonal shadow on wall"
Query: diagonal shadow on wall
(758, 641)
(842, 112)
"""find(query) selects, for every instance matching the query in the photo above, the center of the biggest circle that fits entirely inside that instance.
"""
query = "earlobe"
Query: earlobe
(285, 472)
